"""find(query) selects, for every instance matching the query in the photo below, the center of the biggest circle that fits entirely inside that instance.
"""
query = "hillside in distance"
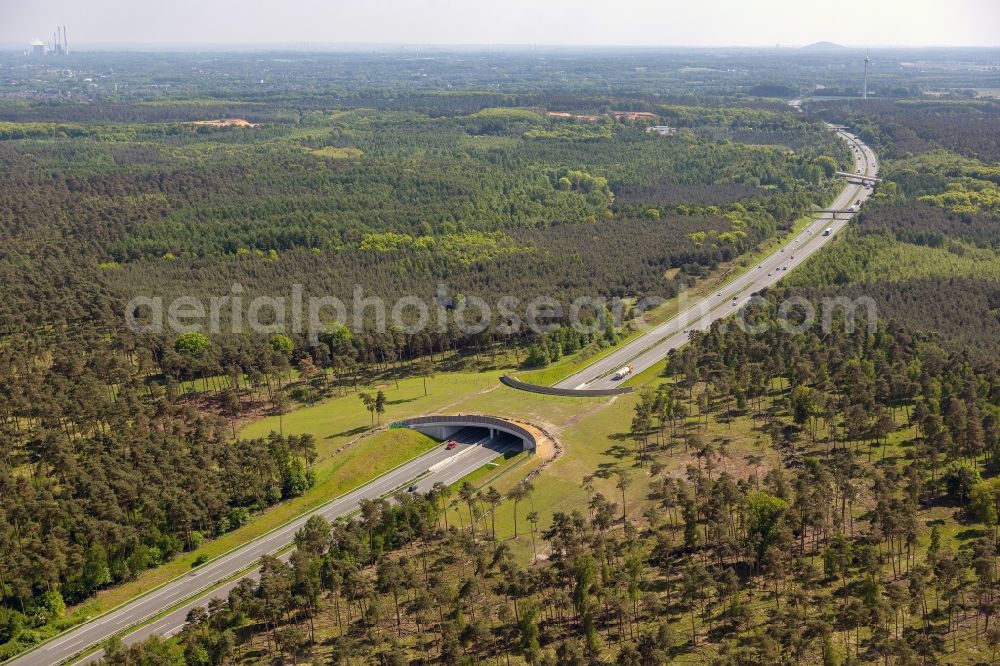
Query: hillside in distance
(823, 46)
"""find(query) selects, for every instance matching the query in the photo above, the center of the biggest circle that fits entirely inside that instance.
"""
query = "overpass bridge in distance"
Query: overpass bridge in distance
(443, 427)
(843, 211)
(857, 176)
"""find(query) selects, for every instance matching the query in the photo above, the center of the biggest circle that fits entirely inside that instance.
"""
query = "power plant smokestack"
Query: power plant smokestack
(65, 42)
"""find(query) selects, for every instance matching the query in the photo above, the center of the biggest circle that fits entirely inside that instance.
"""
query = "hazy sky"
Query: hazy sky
(543, 22)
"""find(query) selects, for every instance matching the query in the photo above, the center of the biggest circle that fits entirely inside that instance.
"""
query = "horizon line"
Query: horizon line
(138, 46)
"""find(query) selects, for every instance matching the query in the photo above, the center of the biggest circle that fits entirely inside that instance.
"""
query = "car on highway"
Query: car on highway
(412, 489)
(450, 445)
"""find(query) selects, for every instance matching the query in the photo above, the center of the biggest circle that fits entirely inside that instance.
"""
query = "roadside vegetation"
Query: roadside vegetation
(813, 498)
(806, 498)
(138, 445)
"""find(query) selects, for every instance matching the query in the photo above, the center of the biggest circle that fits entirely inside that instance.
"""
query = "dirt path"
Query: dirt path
(451, 404)
(548, 444)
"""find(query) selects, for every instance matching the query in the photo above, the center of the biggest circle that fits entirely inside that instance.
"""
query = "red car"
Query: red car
(451, 444)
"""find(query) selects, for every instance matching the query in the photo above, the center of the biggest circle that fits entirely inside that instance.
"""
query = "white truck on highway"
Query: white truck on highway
(828, 231)
(622, 373)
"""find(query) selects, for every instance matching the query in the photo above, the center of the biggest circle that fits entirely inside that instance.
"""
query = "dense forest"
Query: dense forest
(866, 532)
(119, 450)
(398, 203)
(871, 539)
(932, 223)
(902, 127)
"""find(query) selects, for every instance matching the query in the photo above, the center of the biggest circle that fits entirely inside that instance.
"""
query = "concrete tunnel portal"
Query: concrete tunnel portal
(444, 427)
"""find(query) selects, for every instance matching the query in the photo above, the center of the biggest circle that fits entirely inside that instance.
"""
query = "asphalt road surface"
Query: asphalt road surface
(653, 345)
(475, 448)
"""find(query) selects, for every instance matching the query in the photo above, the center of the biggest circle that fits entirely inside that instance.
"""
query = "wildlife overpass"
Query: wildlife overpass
(443, 427)
(512, 382)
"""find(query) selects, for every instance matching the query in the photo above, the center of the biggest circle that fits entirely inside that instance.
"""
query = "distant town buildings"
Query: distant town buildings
(662, 130)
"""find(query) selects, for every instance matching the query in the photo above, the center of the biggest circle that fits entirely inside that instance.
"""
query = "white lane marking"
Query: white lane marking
(57, 643)
(349, 499)
(845, 197)
(173, 631)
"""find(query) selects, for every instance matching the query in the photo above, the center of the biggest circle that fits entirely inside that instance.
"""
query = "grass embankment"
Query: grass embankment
(492, 471)
(593, 433)
(596, 440)
(334, 423)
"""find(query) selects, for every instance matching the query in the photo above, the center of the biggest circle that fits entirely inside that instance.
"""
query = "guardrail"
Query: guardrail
(507, 380)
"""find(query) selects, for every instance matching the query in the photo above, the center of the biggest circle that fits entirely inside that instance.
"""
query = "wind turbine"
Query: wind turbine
(868, 61)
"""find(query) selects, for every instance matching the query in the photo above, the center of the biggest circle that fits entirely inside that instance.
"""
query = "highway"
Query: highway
(653, 345)
(474, 450)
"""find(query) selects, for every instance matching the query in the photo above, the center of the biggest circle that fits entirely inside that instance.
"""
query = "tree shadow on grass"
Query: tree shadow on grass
(605, 470)
(972, 533)
(348, 433)
(617, 451)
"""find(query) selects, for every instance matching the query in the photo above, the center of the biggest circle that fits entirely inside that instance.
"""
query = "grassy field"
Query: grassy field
(335, 423)
(595, 438)
(490, 473)
(593, 433)
(336, 153)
